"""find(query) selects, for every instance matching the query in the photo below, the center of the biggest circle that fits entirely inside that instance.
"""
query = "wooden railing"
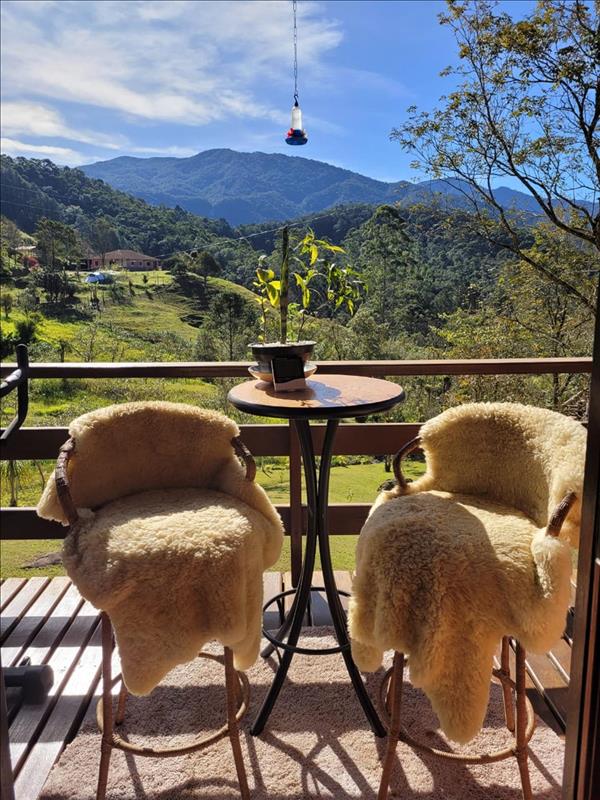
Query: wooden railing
(267, 439)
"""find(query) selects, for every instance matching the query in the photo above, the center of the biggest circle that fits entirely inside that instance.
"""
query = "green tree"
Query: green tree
(8, 343)
(7, 303)
(63, 346)
(384, 253)
(527, 108)
(28, 301)
(206, 346)
(527, 315)
(10, 236)
(205, 265)
(555, 324)
(103, 237)
(12, 472)
(367, 337)
(57, 243)
(199, 262)
(234, 322)
(26, 329)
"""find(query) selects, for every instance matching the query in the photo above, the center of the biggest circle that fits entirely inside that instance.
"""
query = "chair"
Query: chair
(475, 551)
(169, 536)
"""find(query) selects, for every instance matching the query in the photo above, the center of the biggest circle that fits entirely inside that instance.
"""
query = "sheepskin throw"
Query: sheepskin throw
(172, 540)
(448, 565)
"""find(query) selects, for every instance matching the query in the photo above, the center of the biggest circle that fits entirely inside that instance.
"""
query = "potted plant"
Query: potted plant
(322, 283)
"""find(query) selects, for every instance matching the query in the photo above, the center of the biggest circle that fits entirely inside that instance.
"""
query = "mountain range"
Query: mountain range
(259, 187)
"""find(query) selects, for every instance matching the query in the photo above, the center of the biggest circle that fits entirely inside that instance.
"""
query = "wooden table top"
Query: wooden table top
(326, 397)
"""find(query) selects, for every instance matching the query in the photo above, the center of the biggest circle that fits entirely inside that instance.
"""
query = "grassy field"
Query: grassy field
(356, 483)
(148, 324)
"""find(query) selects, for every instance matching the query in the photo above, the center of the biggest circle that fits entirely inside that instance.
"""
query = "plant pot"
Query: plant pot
(265, 353)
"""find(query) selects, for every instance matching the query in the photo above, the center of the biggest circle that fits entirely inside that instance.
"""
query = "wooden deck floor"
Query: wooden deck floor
(46, 620)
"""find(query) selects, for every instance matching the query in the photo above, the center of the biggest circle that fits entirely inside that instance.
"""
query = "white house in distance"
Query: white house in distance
(123, 259)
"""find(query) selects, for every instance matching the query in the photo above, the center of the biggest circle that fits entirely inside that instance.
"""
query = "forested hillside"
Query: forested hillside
(33, 188)
(435, 286)
(247, 188)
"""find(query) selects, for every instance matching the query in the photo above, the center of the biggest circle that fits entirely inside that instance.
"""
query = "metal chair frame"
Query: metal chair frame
(236, 683)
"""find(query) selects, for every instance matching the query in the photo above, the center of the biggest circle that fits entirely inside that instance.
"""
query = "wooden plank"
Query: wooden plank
(239, 369)
(49, 635)
(272, 585)
(64, 720)
(6, 773)
(581, 776)
(30, 720)
(287, 584)
(550, 683)
(37, 615)
(24, 523)
(319, 609)
(19, 605)
(287, 601)
(296, 526)
(44, 442)
(9, 589)
(90, 714)
(368, 438)
(343, 579)
(560, 656)
(320, 614)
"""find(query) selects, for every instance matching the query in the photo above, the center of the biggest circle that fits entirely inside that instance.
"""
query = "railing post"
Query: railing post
(295, 505)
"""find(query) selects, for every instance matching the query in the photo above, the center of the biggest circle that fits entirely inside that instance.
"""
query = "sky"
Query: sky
(92, 80)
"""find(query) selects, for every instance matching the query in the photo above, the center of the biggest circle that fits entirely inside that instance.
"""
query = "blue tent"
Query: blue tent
(97, 277)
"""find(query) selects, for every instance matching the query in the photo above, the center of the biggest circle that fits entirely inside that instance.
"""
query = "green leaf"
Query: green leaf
(265, 275)
(272, 294)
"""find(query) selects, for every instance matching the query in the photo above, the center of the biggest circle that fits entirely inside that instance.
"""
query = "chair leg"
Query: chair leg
(507, 692)
(120, 715)
(521, 725)
(231, 683)
(107, 711)
(395, 698)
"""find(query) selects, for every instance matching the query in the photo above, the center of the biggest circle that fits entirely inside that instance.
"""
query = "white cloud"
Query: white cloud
(34, 119)
(186, 62)
(41, 122)
(62, 155)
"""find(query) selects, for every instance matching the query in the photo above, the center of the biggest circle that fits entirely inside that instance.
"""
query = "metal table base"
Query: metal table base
(317, 489)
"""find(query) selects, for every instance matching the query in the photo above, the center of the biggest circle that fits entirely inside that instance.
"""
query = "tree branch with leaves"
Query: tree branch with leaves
(527, 109)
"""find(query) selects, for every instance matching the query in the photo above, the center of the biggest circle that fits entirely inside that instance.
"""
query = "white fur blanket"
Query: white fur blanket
(173, 567)
(442, 576)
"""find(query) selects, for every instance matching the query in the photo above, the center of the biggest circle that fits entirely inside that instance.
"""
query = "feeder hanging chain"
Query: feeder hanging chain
(295, 55)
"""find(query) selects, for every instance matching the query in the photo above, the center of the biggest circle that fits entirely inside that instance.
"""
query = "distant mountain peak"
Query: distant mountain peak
(252, 187)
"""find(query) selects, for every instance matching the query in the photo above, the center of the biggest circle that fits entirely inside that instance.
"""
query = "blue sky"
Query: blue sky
(86, 81)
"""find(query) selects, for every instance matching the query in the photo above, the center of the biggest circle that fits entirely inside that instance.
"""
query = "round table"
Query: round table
(327, 397)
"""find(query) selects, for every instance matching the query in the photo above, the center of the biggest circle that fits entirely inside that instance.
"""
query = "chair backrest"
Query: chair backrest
(521, 456)
(128, 448)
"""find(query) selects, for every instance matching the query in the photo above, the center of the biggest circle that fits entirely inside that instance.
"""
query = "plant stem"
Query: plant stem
(284, 290)
(263, 312)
